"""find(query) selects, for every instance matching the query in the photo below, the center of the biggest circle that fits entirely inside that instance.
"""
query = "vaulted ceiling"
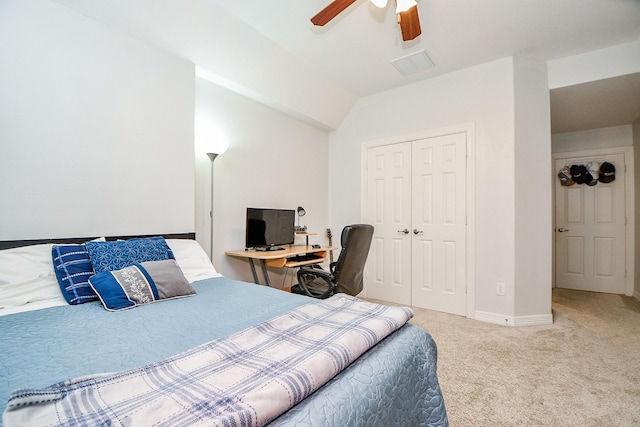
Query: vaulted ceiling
(351, 55)
(356, 47)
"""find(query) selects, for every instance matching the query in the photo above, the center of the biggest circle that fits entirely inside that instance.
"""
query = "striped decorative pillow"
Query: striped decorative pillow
(73, 268)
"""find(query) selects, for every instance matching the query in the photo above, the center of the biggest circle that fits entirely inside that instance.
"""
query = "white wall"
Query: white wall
(482, 95)
(229, 51)
(636, 175)
(533, 192)
(596, 65)
(616, 136)
(273, 161)
(96, 129)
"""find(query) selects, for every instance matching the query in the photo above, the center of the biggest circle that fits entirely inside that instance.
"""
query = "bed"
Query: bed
(46, 341)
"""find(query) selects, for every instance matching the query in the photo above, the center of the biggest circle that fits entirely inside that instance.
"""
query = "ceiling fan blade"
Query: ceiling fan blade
(409, 23)
(331, 11)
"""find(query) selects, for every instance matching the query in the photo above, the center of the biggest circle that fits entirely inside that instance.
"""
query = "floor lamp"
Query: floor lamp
(212, 157)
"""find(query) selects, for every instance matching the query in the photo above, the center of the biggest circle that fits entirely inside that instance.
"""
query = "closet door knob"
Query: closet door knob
(416, 231)
(405, 231)
(562, 230)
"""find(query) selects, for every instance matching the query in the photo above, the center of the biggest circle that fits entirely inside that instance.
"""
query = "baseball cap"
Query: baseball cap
(594, 169)
(580, 174)
(565, 176)
(607, 172)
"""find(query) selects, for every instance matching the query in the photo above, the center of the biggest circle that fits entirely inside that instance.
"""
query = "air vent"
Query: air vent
(412, 63)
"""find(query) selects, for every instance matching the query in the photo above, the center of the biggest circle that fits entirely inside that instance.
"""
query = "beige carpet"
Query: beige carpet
(584, 370)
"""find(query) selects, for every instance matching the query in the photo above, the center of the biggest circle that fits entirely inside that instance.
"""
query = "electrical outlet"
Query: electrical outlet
(501, 289)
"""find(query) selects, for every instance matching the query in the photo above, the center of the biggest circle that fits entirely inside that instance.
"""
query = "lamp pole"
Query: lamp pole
(212, 157)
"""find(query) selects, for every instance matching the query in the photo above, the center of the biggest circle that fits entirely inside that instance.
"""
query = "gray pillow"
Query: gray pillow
(140, 284)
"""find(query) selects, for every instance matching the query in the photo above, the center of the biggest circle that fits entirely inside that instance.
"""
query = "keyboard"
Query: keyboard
(305, 257)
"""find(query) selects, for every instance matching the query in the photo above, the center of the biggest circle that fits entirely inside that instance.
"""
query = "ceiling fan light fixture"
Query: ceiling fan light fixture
(404, 5)
(379, 3)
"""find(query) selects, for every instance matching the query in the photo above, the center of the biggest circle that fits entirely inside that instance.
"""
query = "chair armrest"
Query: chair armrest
(313, 272)
(308, 275)
(332, 267)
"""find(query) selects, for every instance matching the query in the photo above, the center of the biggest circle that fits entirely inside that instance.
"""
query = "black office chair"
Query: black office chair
(344, 275)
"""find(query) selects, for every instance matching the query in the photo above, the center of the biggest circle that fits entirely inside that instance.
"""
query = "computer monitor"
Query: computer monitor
(268, 228)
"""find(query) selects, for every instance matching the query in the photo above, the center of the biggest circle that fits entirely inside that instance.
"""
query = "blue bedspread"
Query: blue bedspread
(393, 384)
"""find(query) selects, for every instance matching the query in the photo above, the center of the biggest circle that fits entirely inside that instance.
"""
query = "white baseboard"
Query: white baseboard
(501, 319)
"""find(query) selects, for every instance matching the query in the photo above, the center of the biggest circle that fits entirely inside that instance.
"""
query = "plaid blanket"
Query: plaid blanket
(246, 379)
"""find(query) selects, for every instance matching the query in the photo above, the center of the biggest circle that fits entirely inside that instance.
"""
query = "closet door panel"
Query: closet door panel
(388, 271)
(439, 218)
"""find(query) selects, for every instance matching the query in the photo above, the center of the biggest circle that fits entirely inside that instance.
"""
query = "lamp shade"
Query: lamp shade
(216, 147)
(404, 5)
(209, 137)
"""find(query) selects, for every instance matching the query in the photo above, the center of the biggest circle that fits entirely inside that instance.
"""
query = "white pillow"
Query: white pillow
(28, 280)
(192, 260)
(26, 275)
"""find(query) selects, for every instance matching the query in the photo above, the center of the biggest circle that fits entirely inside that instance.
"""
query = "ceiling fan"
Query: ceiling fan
(406, 11)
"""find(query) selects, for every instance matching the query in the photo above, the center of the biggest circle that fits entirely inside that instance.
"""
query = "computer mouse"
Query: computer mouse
(315, 246)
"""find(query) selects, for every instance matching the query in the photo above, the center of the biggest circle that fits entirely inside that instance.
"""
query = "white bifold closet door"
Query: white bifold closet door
(416, 200)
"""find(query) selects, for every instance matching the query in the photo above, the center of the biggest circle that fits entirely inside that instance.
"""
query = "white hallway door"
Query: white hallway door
(416, 200)
(591, 230)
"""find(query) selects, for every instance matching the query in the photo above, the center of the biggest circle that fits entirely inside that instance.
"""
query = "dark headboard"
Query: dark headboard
(8, 244)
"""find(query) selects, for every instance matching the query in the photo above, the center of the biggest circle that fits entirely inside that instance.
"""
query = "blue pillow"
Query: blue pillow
(140, 284)
(109, 256)
(73, 268)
